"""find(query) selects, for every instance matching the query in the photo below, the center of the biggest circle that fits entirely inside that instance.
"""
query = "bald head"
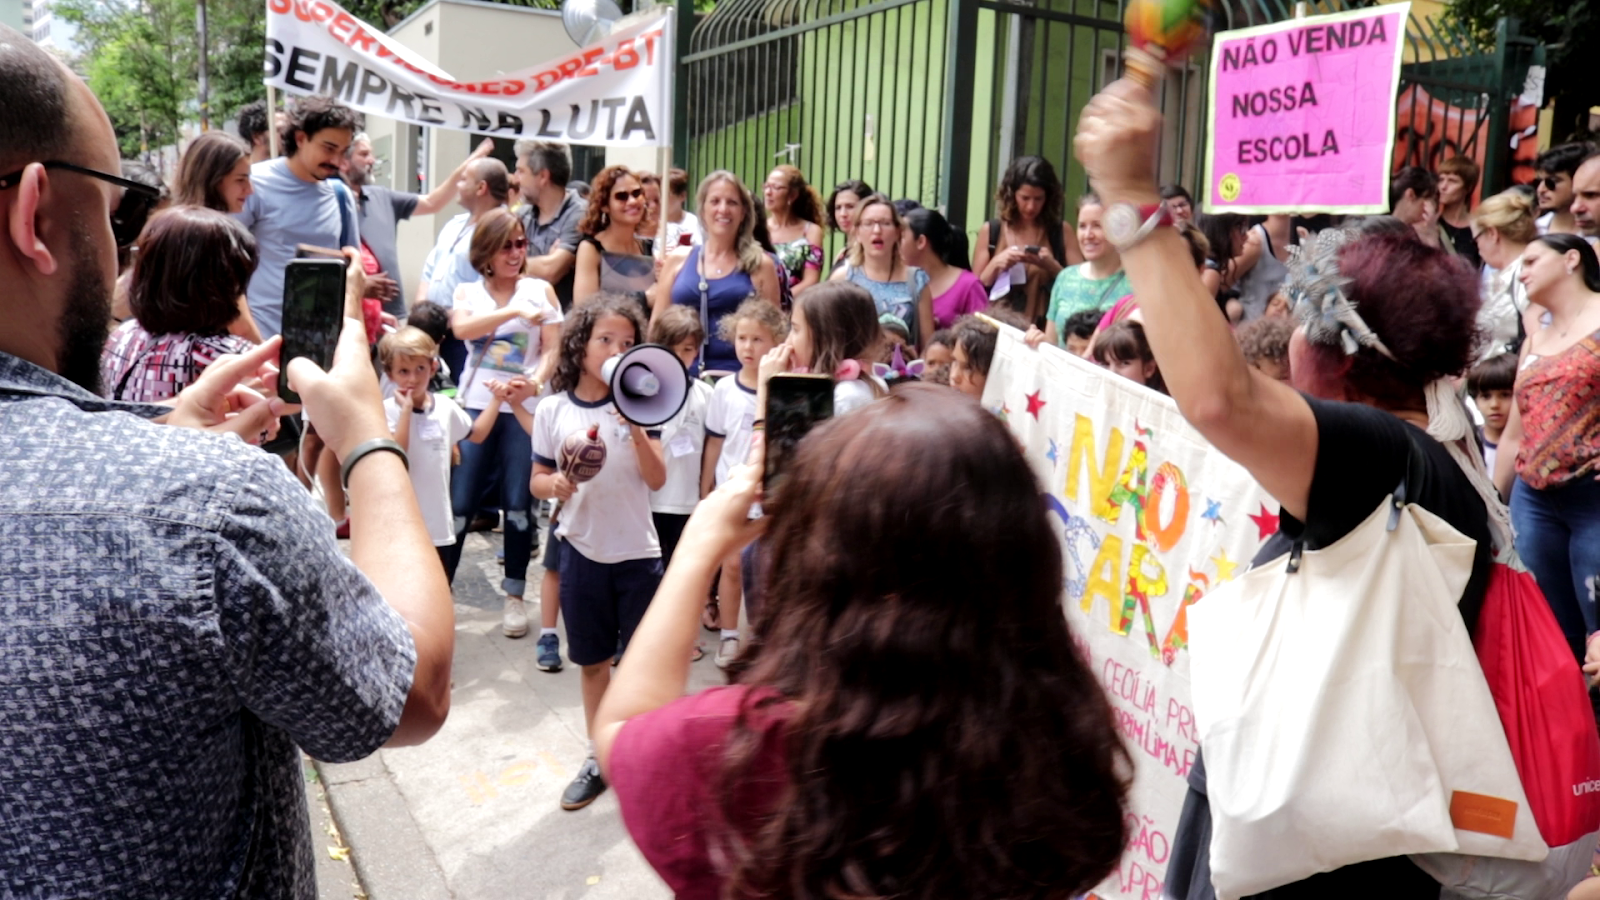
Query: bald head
(35, 123)
(492, 174)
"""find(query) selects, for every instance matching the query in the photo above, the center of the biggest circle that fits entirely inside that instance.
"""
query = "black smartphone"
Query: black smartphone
(313, 314)
(1031, 250)
(795, 404)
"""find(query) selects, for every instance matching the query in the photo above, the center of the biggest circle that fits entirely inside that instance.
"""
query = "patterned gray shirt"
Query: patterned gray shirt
(175, 618)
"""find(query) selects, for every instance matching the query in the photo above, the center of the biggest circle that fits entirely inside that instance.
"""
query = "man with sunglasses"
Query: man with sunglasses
(179, 621)
(299, 199)
(1552, 184)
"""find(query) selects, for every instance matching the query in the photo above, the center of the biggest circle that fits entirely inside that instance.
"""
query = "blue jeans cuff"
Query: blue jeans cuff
(514, 586)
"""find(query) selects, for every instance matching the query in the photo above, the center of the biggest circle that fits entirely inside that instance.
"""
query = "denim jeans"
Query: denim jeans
(1558, 535)
(509, 449)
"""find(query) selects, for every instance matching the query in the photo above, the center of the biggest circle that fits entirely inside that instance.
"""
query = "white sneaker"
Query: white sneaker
(726, 651)
(514, 621)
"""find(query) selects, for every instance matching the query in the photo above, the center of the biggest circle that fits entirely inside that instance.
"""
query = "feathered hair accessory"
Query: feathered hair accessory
(1315, 288)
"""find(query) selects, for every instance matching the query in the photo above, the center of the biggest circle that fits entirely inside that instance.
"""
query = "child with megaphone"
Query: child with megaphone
(610, 555)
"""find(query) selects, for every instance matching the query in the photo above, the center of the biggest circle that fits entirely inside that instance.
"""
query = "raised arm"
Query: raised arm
(445, 191)
(1261, 423)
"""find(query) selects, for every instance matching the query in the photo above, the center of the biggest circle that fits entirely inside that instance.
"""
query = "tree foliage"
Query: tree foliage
(1570, 31)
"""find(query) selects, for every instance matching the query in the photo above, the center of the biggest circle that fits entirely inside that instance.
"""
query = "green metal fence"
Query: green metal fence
(930, 99)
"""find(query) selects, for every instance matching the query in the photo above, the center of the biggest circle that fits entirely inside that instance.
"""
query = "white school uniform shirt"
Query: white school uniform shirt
(512, 350)
(428, 445)
(731, 415)
(608, 518)
(683, 441)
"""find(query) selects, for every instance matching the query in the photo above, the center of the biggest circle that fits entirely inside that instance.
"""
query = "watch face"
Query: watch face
(1122, 223)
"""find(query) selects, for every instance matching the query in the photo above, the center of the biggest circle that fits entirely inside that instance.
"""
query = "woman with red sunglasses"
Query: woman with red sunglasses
(611, 256)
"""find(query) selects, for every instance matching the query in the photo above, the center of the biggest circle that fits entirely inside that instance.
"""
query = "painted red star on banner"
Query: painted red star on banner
(1035, 404)
(1266, 522)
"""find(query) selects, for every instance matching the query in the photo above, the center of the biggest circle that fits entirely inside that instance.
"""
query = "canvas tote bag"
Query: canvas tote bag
(1343, 712)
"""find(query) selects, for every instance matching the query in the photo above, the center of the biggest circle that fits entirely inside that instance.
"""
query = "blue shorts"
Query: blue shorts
(602, 603)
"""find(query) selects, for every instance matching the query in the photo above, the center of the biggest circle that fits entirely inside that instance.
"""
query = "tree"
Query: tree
(138, 58)
(1570, 31)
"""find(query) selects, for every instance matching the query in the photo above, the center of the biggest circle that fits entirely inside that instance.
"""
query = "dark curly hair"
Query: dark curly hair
(1032, 171)
(942, 736)
(312, 114)
(577, 328)
(595, 218)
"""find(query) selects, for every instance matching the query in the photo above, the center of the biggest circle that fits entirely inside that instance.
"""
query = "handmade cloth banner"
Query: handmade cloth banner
(1151, 518)
(616, 93)
(1302, 114)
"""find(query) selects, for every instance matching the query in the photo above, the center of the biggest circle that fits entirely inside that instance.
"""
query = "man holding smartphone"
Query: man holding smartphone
(180, 622)
(299, 199)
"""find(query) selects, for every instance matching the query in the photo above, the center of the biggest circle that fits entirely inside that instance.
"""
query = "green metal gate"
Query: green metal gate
(930, 99)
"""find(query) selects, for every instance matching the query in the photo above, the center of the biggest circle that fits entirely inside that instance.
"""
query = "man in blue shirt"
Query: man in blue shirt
(179, 621)
(299, 199)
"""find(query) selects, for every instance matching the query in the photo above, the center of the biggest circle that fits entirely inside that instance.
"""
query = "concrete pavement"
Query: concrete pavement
(474, 812)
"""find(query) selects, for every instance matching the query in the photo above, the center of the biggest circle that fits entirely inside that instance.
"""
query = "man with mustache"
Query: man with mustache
(299, 199)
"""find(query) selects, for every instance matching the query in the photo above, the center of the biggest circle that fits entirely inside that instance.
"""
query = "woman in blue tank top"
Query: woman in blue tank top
(729, 268)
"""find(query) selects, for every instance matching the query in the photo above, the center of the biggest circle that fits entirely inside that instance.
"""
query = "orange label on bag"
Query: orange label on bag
(1483, 814)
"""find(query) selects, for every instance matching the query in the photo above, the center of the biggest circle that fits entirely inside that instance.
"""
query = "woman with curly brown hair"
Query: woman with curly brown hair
(611, 257)
(794, 223)
(1029, 242)
(899, 726)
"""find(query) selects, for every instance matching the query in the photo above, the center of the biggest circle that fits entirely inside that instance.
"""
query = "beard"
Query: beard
(82, 328)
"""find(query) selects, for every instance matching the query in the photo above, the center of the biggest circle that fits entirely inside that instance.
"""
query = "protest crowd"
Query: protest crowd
(906, 713)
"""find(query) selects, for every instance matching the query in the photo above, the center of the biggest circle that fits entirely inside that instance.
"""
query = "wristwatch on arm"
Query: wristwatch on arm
(1127, 225)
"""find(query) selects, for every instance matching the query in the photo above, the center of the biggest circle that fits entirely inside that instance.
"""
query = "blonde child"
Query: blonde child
(609, 554)
(427, 425)
(754, 328)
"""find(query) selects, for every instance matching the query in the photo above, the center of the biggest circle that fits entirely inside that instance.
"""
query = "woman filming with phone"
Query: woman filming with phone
(830, 764)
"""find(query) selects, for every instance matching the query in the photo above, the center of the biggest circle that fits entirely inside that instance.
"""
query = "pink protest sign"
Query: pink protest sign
(1302, 114)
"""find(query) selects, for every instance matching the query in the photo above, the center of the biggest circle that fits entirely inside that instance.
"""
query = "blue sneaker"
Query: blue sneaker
(549, 658)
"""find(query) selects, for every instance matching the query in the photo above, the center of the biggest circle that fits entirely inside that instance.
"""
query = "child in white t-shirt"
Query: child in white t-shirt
(683, 436)
(754, 328)
(610, 556)
(427, 425)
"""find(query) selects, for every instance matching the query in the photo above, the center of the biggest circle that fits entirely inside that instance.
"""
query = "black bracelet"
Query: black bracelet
(373, 446)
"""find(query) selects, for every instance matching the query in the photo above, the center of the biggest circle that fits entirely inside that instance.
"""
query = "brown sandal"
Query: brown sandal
(711, 616)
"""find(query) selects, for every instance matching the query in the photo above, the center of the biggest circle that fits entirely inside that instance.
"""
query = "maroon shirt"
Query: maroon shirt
(666, 768)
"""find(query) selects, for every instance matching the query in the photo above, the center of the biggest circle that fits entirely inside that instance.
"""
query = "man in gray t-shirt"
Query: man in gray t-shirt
(381, 211)
(299, 199)
(551, 215)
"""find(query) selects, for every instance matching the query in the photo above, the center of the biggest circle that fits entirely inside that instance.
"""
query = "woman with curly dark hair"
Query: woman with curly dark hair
(899, 726)
(611, 256)
(1029, 242)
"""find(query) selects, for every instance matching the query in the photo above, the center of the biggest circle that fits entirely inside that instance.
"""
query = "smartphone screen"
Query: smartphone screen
(313, 314)
(795, 404)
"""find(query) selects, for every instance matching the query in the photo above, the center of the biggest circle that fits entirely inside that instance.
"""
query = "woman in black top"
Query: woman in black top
(1330, 448)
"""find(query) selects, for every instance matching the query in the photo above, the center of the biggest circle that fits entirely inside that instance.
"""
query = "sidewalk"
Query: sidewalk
(474, 812)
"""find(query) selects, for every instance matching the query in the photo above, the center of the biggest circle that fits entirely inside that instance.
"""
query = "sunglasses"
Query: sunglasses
(518, 244)
(634, 194)
(128, 219)
(1544, 182)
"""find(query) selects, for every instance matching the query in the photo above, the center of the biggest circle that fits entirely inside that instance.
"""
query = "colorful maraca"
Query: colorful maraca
(582, 456)
(1160, 33)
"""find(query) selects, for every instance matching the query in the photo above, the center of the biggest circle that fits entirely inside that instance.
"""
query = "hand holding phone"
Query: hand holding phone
(313, 314)
(1031, 250)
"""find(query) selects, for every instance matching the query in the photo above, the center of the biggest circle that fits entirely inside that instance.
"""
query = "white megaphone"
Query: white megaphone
(648, 384)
